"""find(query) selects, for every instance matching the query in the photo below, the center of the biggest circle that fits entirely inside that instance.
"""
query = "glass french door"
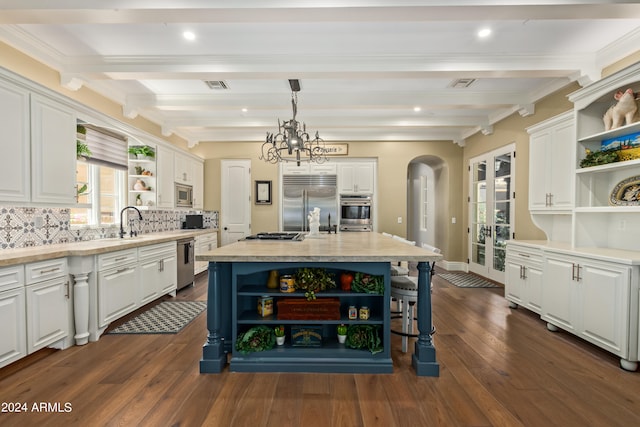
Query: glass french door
(491, 209)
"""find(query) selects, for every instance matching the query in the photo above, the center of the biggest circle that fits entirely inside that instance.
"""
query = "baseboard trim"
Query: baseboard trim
(453, 266)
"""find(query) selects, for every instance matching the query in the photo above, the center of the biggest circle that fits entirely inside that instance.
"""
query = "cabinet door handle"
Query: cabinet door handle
(121, 270)
(66, 285)
(525, 255)
(578, 278)
(521, 271)
(51, 270)
(122, 258)
(573, 272)
(524, 272)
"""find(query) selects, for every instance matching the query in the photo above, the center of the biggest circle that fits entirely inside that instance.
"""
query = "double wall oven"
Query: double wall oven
(355, 212)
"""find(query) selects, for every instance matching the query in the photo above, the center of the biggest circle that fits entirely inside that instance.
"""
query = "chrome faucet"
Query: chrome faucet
(122, 233)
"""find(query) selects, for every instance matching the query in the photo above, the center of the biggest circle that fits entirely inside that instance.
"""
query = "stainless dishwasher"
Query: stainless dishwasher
(185, 263)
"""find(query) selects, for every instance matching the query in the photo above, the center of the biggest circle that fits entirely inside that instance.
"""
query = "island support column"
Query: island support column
(424, 356)
(214, 357)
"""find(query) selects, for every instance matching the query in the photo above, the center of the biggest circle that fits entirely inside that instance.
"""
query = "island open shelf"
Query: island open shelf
(238, 276)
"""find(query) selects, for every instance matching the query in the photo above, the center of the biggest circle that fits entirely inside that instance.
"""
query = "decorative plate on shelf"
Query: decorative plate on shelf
(626, 192)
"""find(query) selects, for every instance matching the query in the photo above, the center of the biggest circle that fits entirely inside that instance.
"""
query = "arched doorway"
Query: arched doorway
(427, 201)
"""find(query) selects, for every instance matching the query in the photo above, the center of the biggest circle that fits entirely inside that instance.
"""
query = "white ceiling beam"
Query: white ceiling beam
(83, 12)
(223, 67)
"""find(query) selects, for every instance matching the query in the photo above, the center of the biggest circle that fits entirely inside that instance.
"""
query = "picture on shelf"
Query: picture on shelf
(627, 146)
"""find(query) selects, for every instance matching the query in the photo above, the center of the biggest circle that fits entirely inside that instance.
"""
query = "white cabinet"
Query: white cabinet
(198, 185)
(47, 303)
(165, 187)
(291, 168)
(551, 156)
(118, 279)
(323, 169)
(356, 177)
(590, 298)
(158, 271)
(13, 332)
(53, 155)
(15, 170)
(523, 281)
(183, 170)
(38, 148)
(204, 243)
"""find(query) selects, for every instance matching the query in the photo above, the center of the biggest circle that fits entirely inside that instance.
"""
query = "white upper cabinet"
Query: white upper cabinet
(53, 157)
(356, 177)
(551, 159)
(183, 169)
(291, 168)
(164, 180)
(15, 171)
(198, 185)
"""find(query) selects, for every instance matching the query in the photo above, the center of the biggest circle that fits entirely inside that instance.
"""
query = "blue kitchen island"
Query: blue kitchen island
(238, 274)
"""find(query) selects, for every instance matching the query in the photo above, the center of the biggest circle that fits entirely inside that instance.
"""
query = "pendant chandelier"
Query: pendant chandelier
(292, 143)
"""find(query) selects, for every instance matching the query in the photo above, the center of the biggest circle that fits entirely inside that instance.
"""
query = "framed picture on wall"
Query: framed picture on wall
(263, 192)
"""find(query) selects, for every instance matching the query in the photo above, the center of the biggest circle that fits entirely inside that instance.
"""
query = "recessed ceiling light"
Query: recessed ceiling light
(189, 35)
(417, 109)
(244, 110)
(484, 33)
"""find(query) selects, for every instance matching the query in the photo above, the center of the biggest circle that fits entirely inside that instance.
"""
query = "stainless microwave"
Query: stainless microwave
(184, 196)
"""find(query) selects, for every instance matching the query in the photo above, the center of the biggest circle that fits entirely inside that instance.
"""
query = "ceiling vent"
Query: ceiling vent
(216, 84)
(461, 83)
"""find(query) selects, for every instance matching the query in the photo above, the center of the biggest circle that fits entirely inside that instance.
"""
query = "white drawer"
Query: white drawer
(11, 277)
(115, 259)
(37, 272)
(157, 251)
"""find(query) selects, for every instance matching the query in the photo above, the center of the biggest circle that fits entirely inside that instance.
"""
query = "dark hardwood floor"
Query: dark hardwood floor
(498, 367)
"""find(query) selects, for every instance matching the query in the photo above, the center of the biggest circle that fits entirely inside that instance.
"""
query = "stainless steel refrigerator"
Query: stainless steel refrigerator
(302, 193)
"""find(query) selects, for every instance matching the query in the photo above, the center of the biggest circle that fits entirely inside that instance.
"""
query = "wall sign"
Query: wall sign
(336, 149)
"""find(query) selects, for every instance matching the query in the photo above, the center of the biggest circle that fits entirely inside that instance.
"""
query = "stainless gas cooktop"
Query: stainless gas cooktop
(294, 236)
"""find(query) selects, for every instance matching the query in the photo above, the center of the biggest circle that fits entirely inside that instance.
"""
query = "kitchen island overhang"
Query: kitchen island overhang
(235, 269)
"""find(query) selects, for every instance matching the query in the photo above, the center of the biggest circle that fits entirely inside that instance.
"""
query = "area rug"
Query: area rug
(168, 317)
(466, 280)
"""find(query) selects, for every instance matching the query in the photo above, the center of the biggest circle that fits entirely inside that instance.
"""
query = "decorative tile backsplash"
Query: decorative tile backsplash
(22, 227)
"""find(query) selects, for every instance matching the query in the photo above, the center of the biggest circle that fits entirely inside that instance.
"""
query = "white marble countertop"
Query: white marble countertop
(341, 247)
(605, 254)
(92, 247)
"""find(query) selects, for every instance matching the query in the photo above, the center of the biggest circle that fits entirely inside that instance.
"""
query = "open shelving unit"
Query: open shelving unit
(147, 197)
(248, 282)
(596, 221)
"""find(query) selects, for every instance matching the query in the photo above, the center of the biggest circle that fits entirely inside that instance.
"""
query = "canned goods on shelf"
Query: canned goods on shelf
(353, 312)
(287, 283)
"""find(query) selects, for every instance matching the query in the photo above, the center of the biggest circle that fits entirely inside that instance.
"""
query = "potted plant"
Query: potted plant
(279, 331)
(342, 333)
(82, 149)
(142, 151)
(138, 200)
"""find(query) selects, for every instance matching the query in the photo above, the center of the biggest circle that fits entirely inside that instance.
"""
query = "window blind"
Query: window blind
(107, 147)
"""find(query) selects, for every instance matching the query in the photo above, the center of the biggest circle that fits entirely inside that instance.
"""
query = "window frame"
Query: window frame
(93, 206)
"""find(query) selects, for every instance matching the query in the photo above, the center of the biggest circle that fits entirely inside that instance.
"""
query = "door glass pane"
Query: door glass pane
(502, 165)
(501, 208)
(479, 212)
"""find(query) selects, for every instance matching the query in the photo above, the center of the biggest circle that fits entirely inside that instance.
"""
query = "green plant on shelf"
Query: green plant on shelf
(82, 149)
(312, 280)
(279, 330)
(595, 158)
(342, 329)
(142, 151)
